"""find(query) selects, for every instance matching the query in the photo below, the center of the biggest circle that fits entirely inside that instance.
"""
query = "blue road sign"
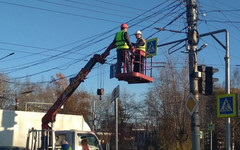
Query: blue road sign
(226, 105)
(210, 126)
(151, 47)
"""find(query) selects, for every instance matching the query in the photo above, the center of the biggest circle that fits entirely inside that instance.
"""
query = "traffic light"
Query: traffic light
(209, 71)
(205, 83)
(201, 80)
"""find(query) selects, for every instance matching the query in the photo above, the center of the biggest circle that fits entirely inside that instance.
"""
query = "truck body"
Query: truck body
(14, 126)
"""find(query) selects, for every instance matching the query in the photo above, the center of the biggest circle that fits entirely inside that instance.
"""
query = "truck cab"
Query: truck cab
(52, 140)
(74, 138)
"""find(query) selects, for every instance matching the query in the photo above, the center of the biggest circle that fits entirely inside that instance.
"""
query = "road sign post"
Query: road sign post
(115, 96)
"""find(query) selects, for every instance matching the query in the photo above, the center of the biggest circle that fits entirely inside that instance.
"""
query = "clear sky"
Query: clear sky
(49, 36)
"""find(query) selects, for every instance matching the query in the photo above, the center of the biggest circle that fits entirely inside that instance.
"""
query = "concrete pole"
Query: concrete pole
(192, 45)
(227, 91)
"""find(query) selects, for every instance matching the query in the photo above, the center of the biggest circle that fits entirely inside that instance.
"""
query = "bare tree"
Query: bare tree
(165, 102)
(7, 94)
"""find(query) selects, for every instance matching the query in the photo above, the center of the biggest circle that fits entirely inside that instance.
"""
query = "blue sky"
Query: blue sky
(49, 36)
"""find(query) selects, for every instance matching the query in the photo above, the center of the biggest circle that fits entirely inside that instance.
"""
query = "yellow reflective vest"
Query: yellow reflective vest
(141, 47)
(120, 41)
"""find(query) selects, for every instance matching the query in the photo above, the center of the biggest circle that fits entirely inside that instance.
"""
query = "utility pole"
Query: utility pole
(192, 49)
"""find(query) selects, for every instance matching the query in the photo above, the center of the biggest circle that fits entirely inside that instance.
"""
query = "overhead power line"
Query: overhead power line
(60, 12)
(124, 6)
(106, 8)
(223, 21)
(86, 9)
(222, 10)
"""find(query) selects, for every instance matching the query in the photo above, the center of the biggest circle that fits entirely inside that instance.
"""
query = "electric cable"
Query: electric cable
(60, 12)
(86, 9)
(106, 8)
(124, 6)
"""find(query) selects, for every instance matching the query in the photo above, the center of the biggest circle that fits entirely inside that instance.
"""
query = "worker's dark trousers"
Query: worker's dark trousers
(121, 59)
(137, 62)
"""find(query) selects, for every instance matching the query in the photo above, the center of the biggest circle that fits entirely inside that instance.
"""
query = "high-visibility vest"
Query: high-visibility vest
(141, 47)
(120, 41)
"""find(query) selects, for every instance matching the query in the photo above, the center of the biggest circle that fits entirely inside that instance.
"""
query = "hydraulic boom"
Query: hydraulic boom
(50, 116)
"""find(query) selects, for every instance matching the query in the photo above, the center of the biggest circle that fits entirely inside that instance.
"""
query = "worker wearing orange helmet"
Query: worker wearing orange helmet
(139, 52)
(122, 43)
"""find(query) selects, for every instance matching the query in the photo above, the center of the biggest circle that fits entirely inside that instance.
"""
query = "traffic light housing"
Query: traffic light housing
(209, 81)
(205, 82)
(201, 80)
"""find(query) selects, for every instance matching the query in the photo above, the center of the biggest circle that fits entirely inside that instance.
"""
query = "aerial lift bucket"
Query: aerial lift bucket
(143, 76)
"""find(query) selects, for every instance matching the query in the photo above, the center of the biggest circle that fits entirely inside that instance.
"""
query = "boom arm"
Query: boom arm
(50, 116)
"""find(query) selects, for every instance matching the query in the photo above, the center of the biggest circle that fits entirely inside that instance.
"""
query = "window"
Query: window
(91, 139)
(60, 138)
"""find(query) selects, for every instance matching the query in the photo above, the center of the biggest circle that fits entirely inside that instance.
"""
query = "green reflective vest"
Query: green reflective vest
(120, 41)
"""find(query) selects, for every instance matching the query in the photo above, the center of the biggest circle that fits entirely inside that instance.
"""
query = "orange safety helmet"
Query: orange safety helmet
(124, 25)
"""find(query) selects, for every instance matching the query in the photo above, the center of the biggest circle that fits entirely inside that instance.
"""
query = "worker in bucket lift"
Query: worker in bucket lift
(123, 44)
(139, 53)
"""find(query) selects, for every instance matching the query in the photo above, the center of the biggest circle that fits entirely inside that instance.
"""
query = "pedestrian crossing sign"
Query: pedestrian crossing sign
(151, 47)
(226, 105)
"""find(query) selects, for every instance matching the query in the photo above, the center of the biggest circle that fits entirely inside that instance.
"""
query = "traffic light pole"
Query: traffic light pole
(193, 69)
(227, 90)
